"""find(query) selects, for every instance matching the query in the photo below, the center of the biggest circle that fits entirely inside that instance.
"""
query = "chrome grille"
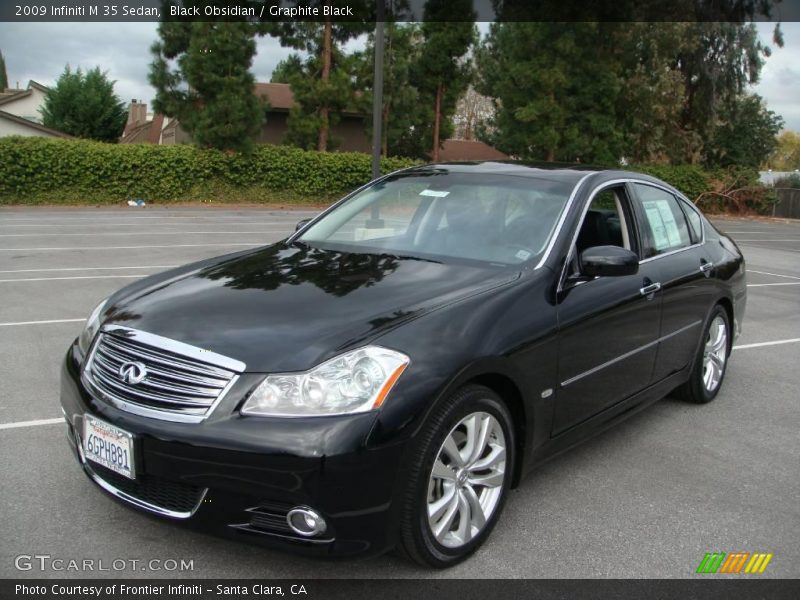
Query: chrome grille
(182, 382)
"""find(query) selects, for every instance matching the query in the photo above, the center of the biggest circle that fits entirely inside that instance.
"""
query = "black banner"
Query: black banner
(401, 589)
(396, 10)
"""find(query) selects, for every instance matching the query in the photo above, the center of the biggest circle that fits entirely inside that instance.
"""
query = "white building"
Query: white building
(19, 112)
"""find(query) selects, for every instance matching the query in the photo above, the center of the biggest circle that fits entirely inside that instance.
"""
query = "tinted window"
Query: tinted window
(695, 222)
(496, 219)
(664, 219)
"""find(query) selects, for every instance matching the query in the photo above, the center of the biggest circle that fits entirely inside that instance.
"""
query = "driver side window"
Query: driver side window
(606, 223)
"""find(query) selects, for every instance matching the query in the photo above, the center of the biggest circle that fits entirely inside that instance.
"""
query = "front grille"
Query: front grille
(174, 383)
(161, 494)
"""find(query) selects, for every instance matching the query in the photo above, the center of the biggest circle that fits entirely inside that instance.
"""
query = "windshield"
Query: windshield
(504, 220)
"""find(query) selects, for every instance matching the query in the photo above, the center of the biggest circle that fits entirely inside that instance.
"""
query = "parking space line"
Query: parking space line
(68, 278)
(87, 269)
(768, 240)
(134, 247)
(771, 284)
(773, 274)
(19, 424)
(48, 322)
(762, 344)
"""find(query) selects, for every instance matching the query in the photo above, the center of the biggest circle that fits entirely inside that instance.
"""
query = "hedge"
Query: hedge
(41, 170)
(52, 170)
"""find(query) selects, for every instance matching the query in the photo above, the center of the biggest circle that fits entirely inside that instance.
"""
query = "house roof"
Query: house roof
(20, 121)
(279, 95)
(12, 95)
(140, 134)
(454, 150)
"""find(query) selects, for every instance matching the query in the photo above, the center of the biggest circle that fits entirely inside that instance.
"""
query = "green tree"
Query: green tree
(291, 66)
(718, 62)
(556, 88)
(3, 74)
(201, 73)
(442, 71)
(744, 134)
(401, 115)
(786, 156)
(325, 87)
(84, 105)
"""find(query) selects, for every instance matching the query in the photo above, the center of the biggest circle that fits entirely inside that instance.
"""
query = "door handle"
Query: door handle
(705, 267)
(650, 289)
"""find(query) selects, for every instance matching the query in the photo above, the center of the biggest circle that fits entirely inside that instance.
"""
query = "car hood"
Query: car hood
(288, 308)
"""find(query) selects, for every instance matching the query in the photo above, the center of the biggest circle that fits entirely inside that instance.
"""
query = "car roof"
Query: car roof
(565, 172)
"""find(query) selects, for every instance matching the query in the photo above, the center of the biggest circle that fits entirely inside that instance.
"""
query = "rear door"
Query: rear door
(672, 236)
(608, 326)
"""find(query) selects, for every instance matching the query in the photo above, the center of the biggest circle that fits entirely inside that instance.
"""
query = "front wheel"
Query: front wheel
(459, 478)
(709, 367)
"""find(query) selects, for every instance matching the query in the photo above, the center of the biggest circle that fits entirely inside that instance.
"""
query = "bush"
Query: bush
(35, 170)
(689, 179)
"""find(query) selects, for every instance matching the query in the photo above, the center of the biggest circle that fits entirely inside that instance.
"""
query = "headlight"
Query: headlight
(357, 381)
(91, 327)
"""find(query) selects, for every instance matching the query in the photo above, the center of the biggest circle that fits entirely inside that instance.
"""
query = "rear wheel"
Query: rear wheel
(459, 478)
(709, 367)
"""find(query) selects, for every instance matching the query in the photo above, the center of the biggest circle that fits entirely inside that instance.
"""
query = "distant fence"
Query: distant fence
(788, 204)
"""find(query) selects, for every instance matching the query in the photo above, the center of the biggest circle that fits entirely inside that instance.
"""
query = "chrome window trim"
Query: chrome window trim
(171, 345)
(628, 354)
(562, 219)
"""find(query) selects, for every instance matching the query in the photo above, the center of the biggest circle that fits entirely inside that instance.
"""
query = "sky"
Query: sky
(39, 51)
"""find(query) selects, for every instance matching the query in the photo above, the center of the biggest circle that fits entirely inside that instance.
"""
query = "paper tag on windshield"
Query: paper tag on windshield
(523, 255)
(434, 193)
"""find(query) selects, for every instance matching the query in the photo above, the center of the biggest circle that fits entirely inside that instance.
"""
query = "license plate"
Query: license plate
(108, 446)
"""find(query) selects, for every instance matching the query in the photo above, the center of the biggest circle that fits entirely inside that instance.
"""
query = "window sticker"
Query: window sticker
(665, 230)
(434, 193)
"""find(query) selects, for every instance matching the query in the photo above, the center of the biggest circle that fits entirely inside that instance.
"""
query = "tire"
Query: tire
(469, 490)
(710, 364)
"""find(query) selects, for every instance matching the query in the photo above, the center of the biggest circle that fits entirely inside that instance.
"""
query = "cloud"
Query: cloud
(780, 77)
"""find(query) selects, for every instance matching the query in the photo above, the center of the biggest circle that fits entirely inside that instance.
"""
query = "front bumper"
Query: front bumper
(239, 476)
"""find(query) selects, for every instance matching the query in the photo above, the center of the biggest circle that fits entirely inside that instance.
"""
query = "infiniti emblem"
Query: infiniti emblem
(132, 372)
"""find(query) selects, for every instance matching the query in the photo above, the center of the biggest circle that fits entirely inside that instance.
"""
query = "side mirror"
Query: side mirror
(608, 261)
(301, 224)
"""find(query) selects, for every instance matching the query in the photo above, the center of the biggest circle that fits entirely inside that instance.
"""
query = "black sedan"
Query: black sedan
(384, 376)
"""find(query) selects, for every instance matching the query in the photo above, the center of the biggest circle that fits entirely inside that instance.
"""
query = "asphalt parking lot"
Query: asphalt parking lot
(646, 499)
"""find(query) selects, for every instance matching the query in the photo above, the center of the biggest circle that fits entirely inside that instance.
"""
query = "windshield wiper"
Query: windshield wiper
(407, 257)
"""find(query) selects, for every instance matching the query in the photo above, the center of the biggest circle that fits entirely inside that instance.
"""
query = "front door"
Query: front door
(608, 326)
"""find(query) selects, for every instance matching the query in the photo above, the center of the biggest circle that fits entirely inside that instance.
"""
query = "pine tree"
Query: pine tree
(3, 74)
(400, 113)
(442, 72)
(325, 87)
(84, 105)
(211, 89)
(556, 87)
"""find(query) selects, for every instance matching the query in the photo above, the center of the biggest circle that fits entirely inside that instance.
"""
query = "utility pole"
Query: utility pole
(377, 90)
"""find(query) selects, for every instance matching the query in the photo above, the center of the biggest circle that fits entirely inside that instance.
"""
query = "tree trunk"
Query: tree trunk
(384, 134)
(324, 111)
(437, 123)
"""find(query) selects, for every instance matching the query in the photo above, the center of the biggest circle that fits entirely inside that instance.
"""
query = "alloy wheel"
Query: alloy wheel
(466, 481)
(715, 354)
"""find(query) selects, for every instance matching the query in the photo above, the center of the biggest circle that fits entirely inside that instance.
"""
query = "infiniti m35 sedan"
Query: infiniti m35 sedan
(383, 377)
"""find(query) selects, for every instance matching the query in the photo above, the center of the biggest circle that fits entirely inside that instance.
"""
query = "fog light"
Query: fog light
(305, 521)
